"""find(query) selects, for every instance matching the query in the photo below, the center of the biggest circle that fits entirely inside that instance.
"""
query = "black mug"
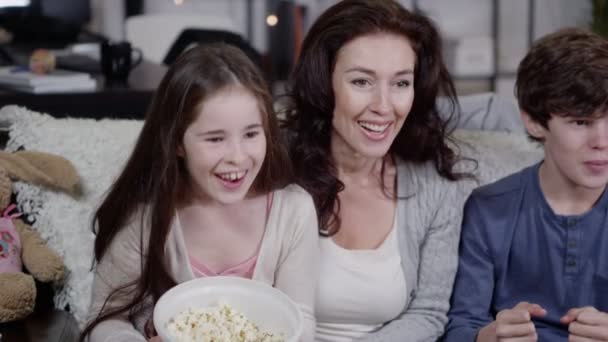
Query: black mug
(118, 59)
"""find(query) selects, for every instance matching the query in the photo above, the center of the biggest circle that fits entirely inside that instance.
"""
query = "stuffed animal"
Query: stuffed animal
(20, 246)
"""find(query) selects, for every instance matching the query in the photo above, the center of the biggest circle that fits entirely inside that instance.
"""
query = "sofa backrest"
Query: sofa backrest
(99, 149)
(486, 111)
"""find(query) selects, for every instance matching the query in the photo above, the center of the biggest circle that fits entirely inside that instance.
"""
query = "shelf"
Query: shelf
(495, 34)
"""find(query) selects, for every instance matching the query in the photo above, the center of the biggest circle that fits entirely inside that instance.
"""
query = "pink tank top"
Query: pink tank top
(10, 243)
(244, 269)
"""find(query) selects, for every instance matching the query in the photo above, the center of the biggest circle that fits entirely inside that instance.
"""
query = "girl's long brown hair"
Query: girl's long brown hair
(309, 118)
(154, 179)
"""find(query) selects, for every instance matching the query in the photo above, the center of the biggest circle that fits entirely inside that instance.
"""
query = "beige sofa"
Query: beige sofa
(493, 137)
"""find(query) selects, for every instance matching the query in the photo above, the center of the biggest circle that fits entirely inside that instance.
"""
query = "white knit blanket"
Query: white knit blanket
(98, 150)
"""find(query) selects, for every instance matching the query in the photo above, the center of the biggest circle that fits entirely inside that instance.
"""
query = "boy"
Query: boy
(534, 246)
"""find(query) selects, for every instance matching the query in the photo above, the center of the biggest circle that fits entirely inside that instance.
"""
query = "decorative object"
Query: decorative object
(20, 246)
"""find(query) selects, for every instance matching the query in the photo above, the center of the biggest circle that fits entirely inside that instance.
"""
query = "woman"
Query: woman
(368, 143)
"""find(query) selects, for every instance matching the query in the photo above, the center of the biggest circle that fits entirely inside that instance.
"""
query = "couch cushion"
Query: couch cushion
(486, 111)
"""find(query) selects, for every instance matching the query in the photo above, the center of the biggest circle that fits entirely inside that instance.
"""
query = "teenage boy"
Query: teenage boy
(534, 248)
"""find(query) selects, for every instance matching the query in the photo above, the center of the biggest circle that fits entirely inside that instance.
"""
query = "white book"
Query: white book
(69, 87)
(15, 75)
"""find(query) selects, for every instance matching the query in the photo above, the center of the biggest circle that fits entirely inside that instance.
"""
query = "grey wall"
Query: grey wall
(456, 19)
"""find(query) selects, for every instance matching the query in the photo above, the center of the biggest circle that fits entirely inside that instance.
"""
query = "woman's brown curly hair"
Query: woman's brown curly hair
(309, 116)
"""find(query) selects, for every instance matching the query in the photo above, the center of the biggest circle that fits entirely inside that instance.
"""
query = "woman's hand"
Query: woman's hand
(155, 339)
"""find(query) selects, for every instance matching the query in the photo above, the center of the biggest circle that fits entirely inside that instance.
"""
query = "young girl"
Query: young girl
(204, 193)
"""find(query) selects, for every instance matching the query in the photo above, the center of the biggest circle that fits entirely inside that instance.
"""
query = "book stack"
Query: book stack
(58, 81)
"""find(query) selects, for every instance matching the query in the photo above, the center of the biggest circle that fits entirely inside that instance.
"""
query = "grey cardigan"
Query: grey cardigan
(428, 234)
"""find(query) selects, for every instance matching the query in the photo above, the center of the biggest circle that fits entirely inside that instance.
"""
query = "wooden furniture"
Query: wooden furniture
(45, 324)
(128, 101)
(49, 326)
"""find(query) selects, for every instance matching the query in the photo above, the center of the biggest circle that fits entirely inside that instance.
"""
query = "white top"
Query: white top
(287, 260)
(358, 290)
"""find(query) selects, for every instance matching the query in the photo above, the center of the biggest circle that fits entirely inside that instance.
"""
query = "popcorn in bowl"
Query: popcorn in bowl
(217, 324)
(224, 308)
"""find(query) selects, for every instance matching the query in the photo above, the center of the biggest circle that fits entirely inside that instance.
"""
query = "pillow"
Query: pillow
(493, 154)
(99, 148)
(486, 111)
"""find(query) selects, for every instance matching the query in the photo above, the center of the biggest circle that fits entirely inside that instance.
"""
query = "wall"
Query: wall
(456, 18)
(108, 18)
(472, 19)
(233, 9)
(108, 15)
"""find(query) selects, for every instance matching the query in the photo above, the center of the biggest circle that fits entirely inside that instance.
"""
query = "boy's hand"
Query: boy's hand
(586, 324)
(513, 324)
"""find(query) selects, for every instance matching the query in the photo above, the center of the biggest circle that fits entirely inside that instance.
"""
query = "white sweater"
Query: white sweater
(288, 260)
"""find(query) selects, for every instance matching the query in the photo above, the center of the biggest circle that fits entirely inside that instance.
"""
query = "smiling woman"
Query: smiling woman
(368, 143)
(386, 91)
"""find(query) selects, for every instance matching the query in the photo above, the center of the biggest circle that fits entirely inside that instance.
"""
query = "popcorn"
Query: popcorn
(219, 324)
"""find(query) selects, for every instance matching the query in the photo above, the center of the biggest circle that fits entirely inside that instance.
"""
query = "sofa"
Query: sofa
(489, 132)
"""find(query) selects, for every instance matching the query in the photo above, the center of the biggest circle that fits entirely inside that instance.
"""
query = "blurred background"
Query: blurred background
(484, 39)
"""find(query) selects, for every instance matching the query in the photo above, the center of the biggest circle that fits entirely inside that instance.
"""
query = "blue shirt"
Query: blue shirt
(514, 248)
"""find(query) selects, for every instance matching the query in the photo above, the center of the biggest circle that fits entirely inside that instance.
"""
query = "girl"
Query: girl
(204, 193)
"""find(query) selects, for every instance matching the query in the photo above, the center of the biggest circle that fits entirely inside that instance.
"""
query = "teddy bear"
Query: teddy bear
(20, 246)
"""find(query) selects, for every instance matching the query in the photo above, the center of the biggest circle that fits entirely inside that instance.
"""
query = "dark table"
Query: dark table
(127, 101)
(47, 326)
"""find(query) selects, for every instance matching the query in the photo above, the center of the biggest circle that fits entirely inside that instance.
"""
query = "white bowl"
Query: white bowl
(269, 308)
